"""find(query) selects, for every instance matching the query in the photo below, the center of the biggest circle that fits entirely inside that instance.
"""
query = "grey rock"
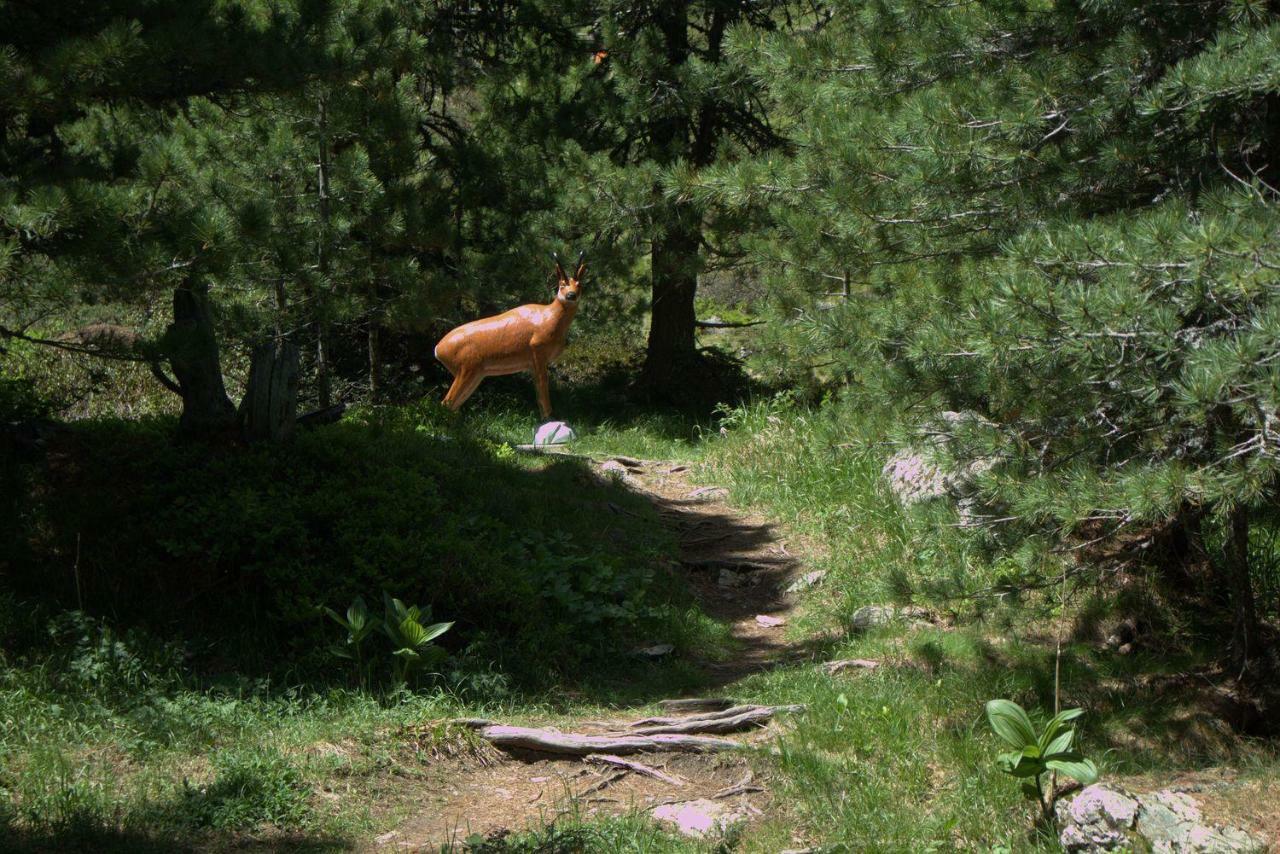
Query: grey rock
(809, 579)
(553, 433)
(935, 468)
(1098, 819)
(871, 616)
(699, 819)
(1105, 818)
(656, 651)
(913, 478)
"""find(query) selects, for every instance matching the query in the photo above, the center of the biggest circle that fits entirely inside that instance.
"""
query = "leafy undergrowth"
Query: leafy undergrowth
(131, 740)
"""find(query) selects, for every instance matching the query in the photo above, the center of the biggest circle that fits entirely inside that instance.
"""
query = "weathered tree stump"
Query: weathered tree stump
(270, 405)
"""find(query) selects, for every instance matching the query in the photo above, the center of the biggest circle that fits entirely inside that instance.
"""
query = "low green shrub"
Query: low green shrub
(250, 788)
(237, 548)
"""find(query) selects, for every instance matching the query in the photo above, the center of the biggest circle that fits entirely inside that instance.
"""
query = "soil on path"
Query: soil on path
(739, 567)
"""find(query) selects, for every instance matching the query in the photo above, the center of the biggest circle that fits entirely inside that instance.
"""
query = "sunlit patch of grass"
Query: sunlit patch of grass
(632, 833)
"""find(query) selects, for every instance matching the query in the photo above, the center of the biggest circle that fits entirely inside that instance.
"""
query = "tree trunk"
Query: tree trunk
(1244, 614)
(270, 405)
(322, 251)
(192, 347)
(323, 386)
(375, 359)
(674, 261)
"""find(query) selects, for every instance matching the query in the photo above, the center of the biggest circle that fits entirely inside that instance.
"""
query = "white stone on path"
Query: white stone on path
(553, 433)
(699, 818)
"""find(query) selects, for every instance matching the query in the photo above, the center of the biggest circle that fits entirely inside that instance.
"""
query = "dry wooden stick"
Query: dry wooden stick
(630, 765)
(595, 787)
(742, 787)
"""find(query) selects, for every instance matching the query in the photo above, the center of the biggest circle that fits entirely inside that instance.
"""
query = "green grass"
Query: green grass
(125, 738)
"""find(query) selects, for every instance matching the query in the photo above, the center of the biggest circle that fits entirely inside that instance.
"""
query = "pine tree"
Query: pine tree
(663, 103)
(1062, 216)
(278, 169)
(95, 181)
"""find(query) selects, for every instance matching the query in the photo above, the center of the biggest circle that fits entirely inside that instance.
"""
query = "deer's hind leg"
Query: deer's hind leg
(464, 385)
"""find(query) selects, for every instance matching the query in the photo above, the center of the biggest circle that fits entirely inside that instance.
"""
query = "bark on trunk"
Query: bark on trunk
(674, 260)
(192, 347)
(324, 391)
(1244, 613)
(322, 251)
(674, 256)
(375, 359)
(269, 409)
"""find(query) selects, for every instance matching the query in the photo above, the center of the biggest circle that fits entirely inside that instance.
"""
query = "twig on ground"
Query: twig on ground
(742, 787)
(619, 762)
(607, 781)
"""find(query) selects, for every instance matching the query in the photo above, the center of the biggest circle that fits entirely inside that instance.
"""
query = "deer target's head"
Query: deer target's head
(569, 288)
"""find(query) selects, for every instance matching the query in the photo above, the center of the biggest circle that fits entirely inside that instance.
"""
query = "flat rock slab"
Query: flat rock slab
(809, 579)
(1106, 818)
(700, 818)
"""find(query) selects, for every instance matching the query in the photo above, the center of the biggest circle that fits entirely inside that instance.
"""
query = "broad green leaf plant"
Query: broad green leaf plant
(403, 626)
(358, 626)
(1034, 755)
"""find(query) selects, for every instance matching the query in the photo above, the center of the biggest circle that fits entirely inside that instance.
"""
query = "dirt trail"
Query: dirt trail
(738, 567)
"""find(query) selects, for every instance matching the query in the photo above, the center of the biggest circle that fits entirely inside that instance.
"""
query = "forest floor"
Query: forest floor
(895, 755)
(738, 565)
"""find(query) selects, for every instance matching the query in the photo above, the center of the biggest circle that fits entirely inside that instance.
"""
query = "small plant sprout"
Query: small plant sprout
(359, 627)
(1035, 755)
(411, 640)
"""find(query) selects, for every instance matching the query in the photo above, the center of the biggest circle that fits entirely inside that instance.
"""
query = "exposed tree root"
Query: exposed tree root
(697, 704)
(630, 765)
(731, 719)
(572, 744)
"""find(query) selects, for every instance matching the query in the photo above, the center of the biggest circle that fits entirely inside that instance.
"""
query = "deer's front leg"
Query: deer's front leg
(541, 383)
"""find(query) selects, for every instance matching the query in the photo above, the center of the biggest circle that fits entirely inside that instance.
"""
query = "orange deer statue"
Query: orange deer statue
(526, 338)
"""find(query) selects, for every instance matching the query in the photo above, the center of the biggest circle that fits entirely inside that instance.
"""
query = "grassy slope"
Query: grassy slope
(900, 759)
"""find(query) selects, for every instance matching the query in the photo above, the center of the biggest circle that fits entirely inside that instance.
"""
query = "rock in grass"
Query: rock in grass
(809, 579)
(700, 818)
(654, 651)
(553, 433)
(1106, 818)
(871, 616)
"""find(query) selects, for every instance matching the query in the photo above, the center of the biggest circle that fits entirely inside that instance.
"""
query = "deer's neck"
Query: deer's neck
(562, 313)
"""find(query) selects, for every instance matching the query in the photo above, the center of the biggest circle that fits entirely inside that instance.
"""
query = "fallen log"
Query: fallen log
(573, 744)
(630, 765)
(320, 417)
(727, 324)
(752, 717)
